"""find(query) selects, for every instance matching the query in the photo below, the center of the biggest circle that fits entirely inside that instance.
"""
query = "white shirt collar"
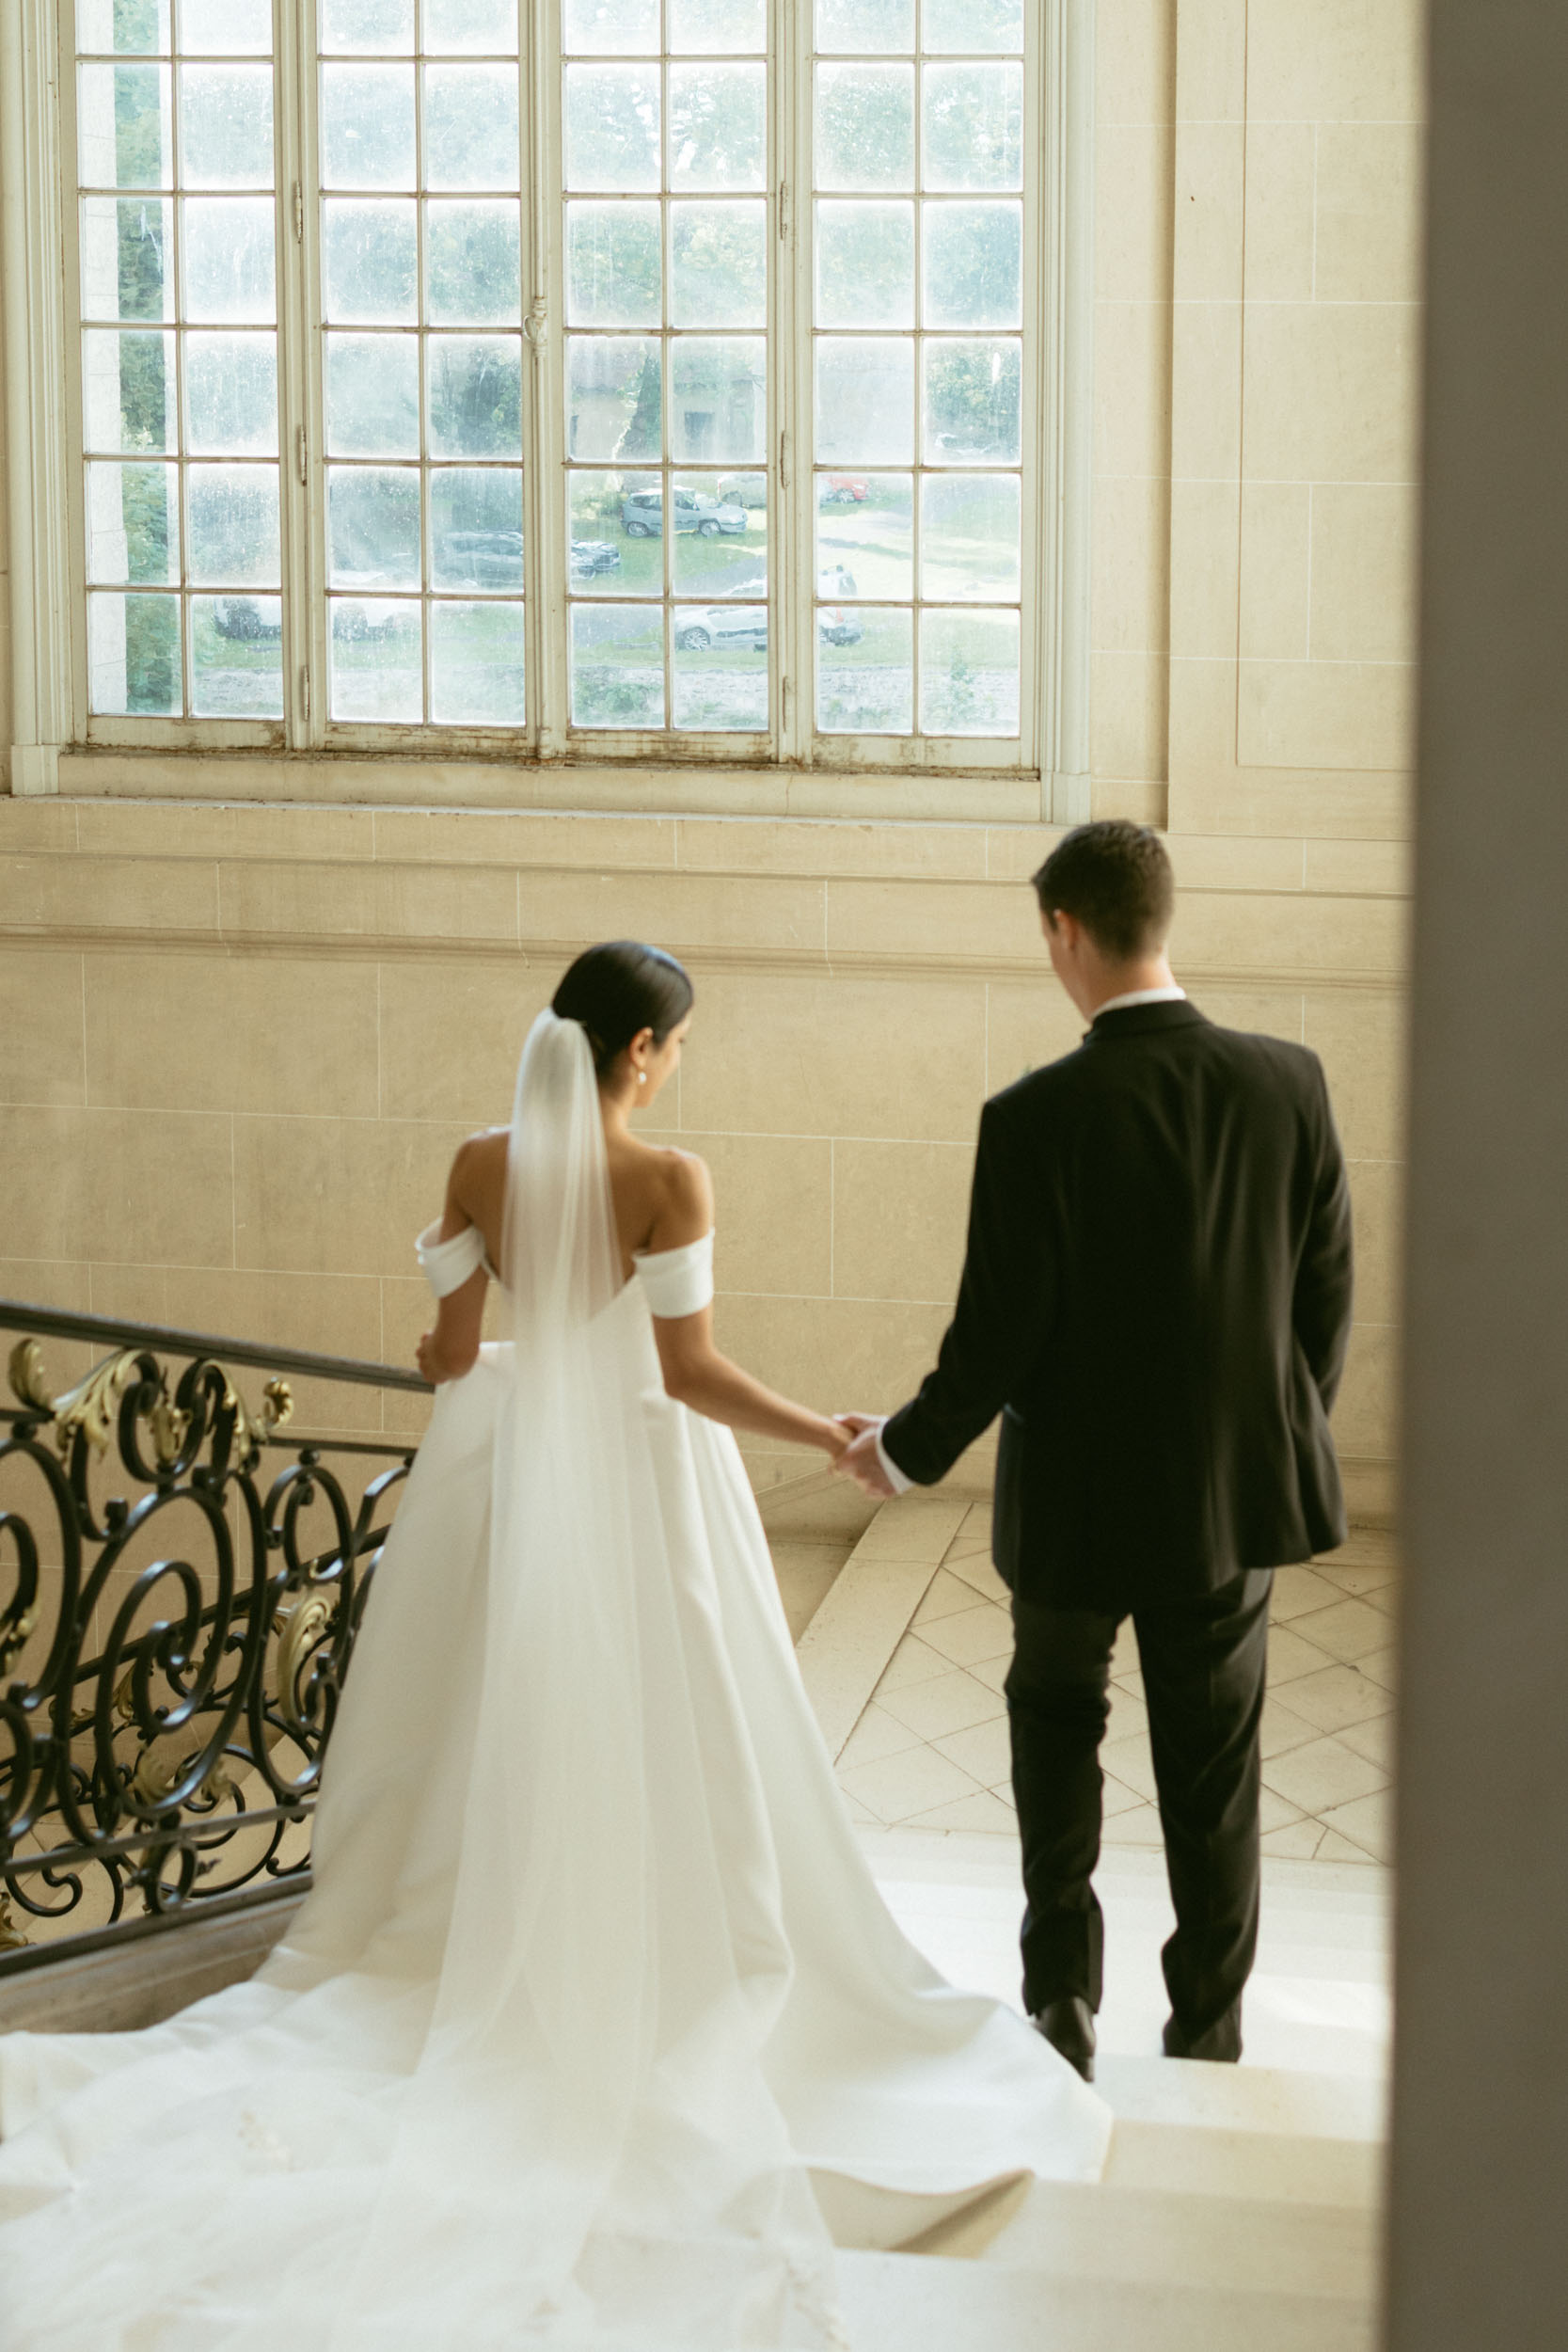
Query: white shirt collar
(1141, 996)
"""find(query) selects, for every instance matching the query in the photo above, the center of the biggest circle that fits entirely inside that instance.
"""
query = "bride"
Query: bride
(595, 2031)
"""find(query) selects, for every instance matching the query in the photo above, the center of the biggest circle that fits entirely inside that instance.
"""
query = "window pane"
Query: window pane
(474, 395)
(974, 26)
(133, 524)
(237, 656)
(375, 660)
(225, 28)
(483, 27)
(232, 395)
(612, 127)
(718, 27)
(974, 412)
(127, 398)
(864, 126)
(720, 537)
(225, 126)
(134, 656)
(369, 28)
(868, 25)
(719, 264)
(718, 126)
(969, 537)
(865, 536)
(107, 27)
(471, 268)
(974, 126)
(718, 666)
(373, 396)
(476, 665)
(122, 127)
(127, 257)
(476, 527)
(969, 673)
(470, 126)
(229, 259)
(973, 264)
(619, 515)
(865, 669)
(718, 399)
(864, 265)
(233, 526)
(374, 527)
(617, 656)
(612, 265)
(366, 126)
(864, 402)
(370, 262)
(613, 403)
(610, 28)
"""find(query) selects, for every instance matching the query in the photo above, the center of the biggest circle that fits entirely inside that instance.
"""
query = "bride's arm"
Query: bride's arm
(451, 1349)
(695, 1374)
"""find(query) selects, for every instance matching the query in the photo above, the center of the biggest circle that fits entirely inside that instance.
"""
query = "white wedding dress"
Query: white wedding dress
(595, 2024)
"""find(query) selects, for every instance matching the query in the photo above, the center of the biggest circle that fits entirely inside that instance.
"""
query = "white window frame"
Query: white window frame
(45, 472)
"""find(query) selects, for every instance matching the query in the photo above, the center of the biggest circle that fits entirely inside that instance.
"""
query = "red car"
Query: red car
(846, 489)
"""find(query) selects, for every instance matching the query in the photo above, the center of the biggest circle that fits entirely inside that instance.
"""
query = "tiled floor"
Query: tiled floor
(931, 1750)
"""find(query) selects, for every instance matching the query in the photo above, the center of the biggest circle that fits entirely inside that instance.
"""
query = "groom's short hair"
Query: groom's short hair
(1116, 878)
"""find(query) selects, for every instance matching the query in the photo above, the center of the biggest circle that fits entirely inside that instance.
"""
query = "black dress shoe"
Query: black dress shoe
(1220, 2042)
(1068, 2025)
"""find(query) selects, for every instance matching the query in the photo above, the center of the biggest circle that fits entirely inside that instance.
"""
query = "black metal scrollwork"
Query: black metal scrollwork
(170, 1656)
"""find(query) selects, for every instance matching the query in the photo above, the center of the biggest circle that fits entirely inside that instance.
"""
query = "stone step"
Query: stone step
(910, 2303)
(1280, 2102)
(1165, 2237)
(1263, 2168)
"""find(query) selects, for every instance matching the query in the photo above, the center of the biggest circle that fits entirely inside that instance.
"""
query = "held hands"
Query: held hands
(860, 1459)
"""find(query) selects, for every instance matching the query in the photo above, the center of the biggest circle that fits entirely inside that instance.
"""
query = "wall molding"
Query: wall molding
(32, 265)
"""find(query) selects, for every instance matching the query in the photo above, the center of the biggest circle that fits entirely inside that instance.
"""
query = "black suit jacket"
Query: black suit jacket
(1156, 1298)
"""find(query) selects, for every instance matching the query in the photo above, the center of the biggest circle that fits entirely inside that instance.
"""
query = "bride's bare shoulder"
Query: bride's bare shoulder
(682, 1195)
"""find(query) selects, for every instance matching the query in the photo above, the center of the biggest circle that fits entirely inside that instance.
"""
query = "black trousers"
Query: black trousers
(1203, 1665)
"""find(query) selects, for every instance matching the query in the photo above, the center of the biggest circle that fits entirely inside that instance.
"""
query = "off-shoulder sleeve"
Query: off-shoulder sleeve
(678, 1282)
(447, 1265)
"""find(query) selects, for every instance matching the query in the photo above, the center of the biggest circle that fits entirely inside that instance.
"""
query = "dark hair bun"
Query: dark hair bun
(619, 989)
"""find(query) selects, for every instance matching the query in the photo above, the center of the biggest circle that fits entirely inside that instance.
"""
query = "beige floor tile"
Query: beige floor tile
(1349, 1630)
(1367, 1821)
(1323, 1774)
(911, 1661)
(1375, 1740)
(1003, 1791)
(1132, 1681)
(876, 1734)
(1357, 1578)
(970, 1634)
(1139, 1825)
(975, 1569)
(1382, 1667)
(981, 1811)
(951, 1703)
(992, 1671)
(1296, 1841)
(1283, 1728)
(1115, 1797)
(946, 1594)
(1129, 1762)
(860, 1814)
(900, 1785)
(1337, 1696)
(1290, 1656)
(984, 1751)
(1128, 1716)
(805, 1574)
(1124, 1651)
(1275, 1811)
(1333, 1848)
(1296, 1590)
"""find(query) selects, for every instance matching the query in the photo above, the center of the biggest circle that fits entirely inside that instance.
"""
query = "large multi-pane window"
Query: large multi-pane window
(668, 388)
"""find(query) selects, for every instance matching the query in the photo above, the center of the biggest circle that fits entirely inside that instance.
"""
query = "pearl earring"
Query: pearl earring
(641, 1077)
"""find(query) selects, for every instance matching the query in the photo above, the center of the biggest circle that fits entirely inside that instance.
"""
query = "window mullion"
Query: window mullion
(299, 344)
(790, 451)
(544, 405)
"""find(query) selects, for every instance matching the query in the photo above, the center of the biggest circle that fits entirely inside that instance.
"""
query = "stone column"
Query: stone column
(1479, 2185)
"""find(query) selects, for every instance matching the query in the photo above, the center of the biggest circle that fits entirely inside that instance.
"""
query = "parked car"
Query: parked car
(642, 515)
(481, 559)
(834, 581)
(845, 490)
(590, 557)
(746, 626)
(242, 618)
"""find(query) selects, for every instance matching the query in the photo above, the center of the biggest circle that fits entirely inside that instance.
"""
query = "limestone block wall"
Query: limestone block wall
(238, 1046)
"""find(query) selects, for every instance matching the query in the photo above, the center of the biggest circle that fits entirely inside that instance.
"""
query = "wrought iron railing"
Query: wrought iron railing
(179, 1590)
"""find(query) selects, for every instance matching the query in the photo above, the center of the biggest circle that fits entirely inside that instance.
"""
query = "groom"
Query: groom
(1157, 1299)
